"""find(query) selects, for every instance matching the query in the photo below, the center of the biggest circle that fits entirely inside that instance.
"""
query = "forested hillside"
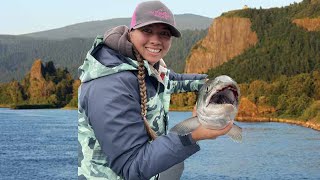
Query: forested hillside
(296, 97)
(17, 53)
(279, 75)
(283, 48)
(43, 86)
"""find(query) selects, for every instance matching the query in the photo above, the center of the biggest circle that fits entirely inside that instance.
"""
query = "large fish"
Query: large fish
(217, 105)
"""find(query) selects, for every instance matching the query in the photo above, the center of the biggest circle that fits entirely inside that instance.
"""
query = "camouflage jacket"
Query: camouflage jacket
(113, 143)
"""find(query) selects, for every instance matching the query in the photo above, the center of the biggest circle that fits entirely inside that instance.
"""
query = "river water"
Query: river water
(42, 144)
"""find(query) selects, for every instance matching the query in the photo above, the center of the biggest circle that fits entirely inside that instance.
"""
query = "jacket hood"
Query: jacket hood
(93, 69)
(117, 39)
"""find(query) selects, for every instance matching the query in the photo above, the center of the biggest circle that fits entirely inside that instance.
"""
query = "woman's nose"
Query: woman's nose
(155, 39)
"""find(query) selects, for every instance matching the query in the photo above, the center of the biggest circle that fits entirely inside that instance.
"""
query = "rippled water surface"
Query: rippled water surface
(42, 144)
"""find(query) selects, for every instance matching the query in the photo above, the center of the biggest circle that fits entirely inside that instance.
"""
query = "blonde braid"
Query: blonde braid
(143, 94)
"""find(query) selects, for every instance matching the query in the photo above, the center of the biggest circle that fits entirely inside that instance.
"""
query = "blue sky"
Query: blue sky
(26, 16)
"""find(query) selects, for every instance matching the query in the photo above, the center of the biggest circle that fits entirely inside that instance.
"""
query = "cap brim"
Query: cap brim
(174, 31)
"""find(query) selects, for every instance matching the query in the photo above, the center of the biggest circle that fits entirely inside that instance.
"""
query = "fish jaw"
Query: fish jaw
(216, 116)
(218, 101)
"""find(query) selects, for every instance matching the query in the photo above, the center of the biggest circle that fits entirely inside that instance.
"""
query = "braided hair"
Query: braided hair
(143, 94)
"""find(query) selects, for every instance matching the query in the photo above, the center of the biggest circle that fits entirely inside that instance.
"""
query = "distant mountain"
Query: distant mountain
(94, 28)
(17, 53)
(67, 46)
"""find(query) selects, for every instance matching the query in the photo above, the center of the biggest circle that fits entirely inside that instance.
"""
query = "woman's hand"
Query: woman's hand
(202, 133)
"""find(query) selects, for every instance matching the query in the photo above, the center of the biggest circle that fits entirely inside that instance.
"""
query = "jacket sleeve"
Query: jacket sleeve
(185, 82)
(114, 113)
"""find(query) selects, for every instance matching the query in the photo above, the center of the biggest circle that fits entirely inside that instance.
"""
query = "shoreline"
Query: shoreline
(307, 124)
(4, 106)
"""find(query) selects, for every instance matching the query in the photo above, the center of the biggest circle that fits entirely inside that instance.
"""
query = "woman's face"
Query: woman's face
(152, 41)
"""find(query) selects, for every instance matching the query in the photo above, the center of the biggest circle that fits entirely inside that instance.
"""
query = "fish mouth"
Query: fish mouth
(227, 95)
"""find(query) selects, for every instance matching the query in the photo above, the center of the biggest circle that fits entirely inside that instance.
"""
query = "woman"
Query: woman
(124, 101)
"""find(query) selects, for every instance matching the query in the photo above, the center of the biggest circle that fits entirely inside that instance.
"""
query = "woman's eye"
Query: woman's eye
(146, 30)
(166, 34)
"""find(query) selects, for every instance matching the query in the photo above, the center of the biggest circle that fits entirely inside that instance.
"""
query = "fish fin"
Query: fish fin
(235, 133)
(186, 126)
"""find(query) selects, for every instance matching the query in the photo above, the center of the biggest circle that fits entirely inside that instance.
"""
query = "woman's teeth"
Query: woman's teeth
(153, 50)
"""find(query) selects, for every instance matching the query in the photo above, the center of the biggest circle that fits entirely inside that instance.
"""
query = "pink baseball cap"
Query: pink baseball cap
(151, 12)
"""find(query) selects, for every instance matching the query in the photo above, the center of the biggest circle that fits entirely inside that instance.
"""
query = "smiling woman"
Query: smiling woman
(124, 102)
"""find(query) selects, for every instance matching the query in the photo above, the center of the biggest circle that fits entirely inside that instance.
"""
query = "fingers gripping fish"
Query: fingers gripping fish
(217, 105)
